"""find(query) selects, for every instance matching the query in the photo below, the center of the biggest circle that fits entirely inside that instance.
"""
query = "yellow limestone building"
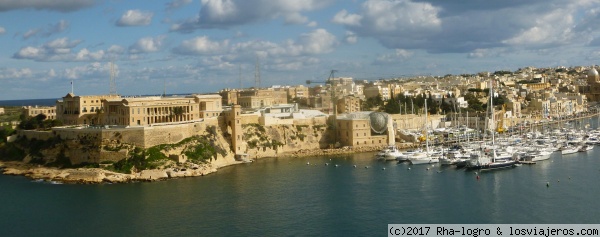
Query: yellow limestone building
(362, 129)
(136, 111)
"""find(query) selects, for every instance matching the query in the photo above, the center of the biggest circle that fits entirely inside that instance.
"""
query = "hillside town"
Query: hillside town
(527, 94)
(154, 137)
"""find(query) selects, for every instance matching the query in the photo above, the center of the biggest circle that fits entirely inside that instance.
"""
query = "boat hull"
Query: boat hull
(493, 166)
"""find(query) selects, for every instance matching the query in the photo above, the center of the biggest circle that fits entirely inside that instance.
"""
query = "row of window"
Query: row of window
(84, 110)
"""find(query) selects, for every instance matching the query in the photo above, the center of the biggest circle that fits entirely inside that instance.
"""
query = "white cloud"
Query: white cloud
(90, 71)
(59, 27)
(550, 28)
(2, 30)
(177, 4)
(312, 24)
(318, 42)
(465, 26)
(295, 18)
(15, 73)
(227, 13)
(30, 33)
(54, 5)
(401, 16)
(135, 18)
(86, 55)
(48, 31)
(399, 55)
(62, 49)
(116, 49)
(344, 18)
(147, 45)
(201, 45)
(351, 37)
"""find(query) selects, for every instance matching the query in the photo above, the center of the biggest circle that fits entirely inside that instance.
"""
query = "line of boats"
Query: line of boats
(500, 153)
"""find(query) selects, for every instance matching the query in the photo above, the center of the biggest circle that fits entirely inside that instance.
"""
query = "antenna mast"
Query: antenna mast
(257, 74)
(240, 76)
(113, 84)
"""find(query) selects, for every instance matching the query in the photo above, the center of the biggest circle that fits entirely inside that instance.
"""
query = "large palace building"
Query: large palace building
(136, 111)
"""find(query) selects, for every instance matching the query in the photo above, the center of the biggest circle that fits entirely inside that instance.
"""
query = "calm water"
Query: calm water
(286, 197)
(32, 102)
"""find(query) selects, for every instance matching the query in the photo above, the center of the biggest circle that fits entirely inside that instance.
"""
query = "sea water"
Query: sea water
(308, 196)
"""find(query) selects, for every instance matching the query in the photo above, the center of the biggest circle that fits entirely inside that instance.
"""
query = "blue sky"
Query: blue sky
(201, 46)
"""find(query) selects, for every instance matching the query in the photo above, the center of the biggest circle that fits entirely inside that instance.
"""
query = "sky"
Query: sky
(203, 46)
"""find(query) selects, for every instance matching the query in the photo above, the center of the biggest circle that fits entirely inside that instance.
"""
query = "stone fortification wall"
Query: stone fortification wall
(38, 135)
(157, 135)
(249, 118)
(311, 121)
(270, 121)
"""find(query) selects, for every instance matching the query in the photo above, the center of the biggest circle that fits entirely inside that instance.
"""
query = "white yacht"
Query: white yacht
(389, 153)
(423, 158)
(569, 149)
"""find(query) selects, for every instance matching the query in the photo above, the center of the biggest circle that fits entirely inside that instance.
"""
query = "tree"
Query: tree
(372, 102)
(38, 122)
(474, 103)
(392, 106)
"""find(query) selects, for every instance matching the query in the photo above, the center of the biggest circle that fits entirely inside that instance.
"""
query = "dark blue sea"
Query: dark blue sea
(287, 197)
(32, 102)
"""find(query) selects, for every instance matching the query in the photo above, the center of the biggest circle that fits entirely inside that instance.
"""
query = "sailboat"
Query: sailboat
(425, 157)
(488, 159)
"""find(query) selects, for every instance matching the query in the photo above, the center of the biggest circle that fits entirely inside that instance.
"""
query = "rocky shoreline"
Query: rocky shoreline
(99, 175)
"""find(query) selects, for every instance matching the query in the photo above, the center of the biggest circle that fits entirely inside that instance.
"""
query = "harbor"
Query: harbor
(354, 195)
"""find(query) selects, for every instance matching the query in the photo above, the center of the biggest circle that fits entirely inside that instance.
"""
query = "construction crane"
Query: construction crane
(333, 102)
(500, 123)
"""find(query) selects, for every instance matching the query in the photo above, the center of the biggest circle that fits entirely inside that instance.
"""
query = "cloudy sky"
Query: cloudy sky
(200, 46)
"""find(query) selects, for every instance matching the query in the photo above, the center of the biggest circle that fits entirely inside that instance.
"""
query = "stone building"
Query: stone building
(365, 129)
(32, 111)
(592, 90)
(1, 110)
(152, 110)
(371, 91)
(253, 99)
(348, 104)
(137, 111)
(85, 109)
(229, 96)
(233, 122)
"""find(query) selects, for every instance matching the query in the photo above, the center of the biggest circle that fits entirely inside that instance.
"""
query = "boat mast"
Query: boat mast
(426, 130)
(491, 106)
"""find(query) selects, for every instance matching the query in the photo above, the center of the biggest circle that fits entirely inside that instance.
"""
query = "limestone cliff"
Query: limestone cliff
(191, 150)
(272, 141)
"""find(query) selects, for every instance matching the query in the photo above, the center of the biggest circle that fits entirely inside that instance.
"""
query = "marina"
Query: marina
(355, 195)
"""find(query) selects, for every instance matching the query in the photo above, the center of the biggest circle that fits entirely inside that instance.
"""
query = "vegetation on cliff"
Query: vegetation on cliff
(197, 149)
(38, 122)
(283, 137)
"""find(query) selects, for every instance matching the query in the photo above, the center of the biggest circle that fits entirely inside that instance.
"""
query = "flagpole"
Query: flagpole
(71, 86)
